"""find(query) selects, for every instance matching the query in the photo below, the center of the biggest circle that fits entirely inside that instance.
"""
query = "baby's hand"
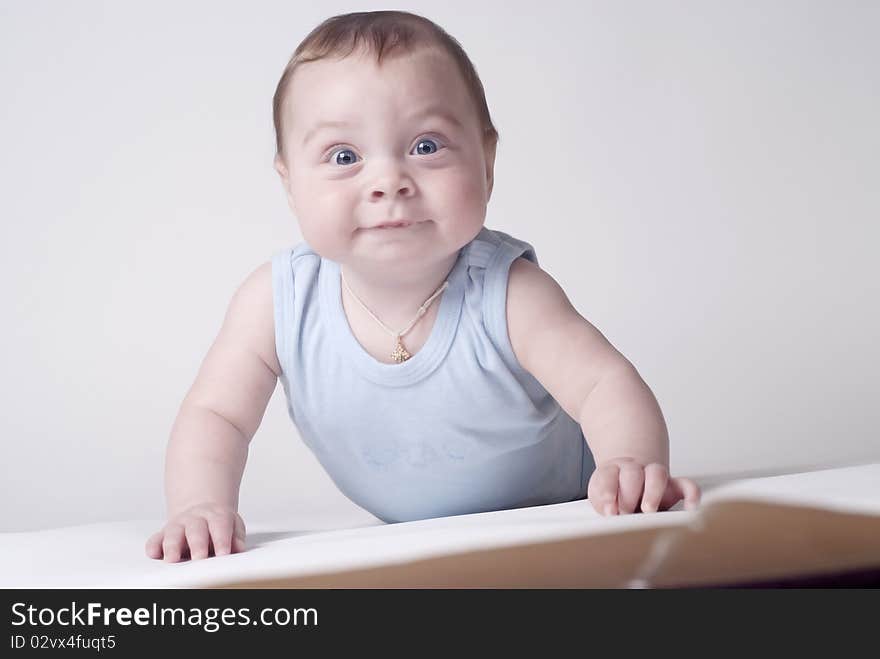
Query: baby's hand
(196, 531)
(616, 485)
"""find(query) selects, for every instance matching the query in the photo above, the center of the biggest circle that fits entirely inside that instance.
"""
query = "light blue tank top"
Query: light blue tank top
(460, 427)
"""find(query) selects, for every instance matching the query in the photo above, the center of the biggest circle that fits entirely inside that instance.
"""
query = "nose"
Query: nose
(391, 180)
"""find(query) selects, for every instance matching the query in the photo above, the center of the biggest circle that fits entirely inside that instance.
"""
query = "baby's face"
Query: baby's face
(367, 145)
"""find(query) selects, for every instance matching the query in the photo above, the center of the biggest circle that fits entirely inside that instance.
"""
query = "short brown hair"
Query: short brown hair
(383, 33)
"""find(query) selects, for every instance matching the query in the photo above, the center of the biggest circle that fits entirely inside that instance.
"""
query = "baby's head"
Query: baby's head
(381, 117)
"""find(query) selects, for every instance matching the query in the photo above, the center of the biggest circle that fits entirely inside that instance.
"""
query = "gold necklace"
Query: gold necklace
(400, 353)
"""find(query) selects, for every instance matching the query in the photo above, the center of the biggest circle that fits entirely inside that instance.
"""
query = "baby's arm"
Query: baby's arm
(601, 389)
(209, 440)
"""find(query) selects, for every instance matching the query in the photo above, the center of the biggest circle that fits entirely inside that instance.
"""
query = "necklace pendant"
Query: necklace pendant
(400, 354)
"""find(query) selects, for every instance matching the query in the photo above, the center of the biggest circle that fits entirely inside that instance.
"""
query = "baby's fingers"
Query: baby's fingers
(690, 492)
(656, 477)
(197, 537)
(173, 543)
(678, 489)
(221, 528)
(153, 547)
(602, 490)
(238, 535)
(631, 484)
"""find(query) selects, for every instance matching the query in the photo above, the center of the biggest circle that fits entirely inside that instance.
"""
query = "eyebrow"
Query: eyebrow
(428, 112)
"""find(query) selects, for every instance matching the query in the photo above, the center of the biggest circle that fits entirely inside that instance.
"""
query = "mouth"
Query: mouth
(397, 224)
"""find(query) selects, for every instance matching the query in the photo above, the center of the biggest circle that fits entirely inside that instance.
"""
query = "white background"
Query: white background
(700, 177)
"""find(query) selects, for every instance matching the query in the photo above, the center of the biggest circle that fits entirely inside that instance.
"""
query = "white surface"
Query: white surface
(699, 177)
(111, 555)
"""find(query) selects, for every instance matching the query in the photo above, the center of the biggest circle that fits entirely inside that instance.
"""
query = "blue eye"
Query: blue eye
(348, 159)
(345, 156)
(428, 141)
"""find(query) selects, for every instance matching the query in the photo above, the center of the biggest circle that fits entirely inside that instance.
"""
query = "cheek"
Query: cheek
(463, 195)
(324, 213)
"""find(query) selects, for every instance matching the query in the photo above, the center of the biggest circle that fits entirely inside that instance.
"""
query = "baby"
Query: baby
(429, 363)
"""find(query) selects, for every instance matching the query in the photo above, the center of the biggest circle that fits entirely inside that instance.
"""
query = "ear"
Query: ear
(281, 168)
(284, 173)
(489, 150)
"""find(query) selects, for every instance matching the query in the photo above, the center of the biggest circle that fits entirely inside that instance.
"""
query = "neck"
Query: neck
(394, 294)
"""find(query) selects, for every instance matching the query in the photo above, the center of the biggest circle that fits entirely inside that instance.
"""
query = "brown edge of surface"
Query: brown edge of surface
(729, 542)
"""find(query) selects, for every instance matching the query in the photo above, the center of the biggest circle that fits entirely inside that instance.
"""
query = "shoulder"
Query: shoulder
(251, 292)
(535, 301)
(251, 315)
(550, 339)
(290, 259)
(491, 250)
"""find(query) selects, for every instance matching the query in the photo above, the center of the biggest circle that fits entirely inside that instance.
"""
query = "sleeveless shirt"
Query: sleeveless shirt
(460, 427)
